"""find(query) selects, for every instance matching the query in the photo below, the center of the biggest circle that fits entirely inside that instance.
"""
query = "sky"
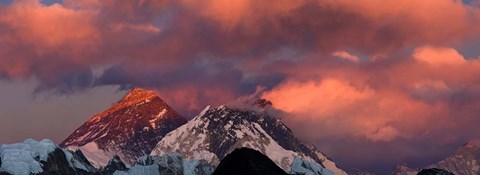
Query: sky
(370, 82)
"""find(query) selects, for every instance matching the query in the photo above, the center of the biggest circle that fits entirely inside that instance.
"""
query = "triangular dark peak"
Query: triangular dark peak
(247, 161)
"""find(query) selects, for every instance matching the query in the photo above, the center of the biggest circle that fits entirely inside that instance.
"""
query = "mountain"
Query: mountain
(115, 164)
(465, 160)
(130, 129)
(171, 163)
(215, 132)
(246, 161)
(44, 157)
(403, 169)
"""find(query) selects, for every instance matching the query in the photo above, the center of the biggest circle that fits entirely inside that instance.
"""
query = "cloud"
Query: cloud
(423, 99)
(199, 52)
(41, 39)
(439, 56)
(190, 86)
(347, 56)
(336, 103)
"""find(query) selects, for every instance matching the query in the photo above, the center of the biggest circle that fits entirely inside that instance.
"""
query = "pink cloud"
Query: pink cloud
(199, 52)
(347, 56)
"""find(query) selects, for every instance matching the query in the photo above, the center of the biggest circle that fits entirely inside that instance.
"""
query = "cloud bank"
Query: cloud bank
(368, 73)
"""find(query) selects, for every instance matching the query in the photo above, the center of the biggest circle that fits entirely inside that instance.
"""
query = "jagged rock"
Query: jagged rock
(115, 164)
(57, 163)
(169, 164)
(403, 169)
(44, 157)
(197, 167)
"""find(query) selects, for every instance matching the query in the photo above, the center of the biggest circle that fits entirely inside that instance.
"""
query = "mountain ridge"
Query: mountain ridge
(215, 132)
(464, 160)
(130, 128)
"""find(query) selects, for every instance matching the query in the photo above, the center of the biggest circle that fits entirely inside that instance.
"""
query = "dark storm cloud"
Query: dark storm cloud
(221, 76)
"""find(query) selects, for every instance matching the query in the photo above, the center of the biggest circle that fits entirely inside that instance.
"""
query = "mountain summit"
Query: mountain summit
(465, 160)
(131, 128)
(216, 132)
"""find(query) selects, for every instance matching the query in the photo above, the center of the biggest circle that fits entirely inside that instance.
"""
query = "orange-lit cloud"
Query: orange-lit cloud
(359, 111)
(424, 98)
(439, 56)
(347, 56)
(366, 71)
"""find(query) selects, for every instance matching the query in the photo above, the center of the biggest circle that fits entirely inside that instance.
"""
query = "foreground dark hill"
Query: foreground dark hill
(131, 128)
(434, 171)
(246, 161)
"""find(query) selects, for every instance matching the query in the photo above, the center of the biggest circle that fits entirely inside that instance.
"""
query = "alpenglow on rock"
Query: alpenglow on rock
(130, 129)
(216, 132)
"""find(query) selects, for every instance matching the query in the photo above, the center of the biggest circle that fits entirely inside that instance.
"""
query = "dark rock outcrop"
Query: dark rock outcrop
(115, 164)
(246, 161)
(434, 171)
(57, 163)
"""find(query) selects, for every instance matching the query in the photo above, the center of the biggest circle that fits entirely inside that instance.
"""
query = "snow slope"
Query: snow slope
(216, 132)
(31, 157)
(304, 167)
(170, 163)
(21, 158)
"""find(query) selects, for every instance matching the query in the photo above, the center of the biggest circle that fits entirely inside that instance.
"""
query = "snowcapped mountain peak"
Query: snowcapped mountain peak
(136, 97)
(139, 94)
(130, 128)
(469, 145)
(465, 160)
(203, 112)
(216, 132)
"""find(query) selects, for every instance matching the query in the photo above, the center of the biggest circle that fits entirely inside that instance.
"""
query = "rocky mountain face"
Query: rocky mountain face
(246, 161)
(403, 169)
(44, 157)
(168, 164)
(115, 164)
(216, 132)
(143, 131)
(130, 129)
(465, 160)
